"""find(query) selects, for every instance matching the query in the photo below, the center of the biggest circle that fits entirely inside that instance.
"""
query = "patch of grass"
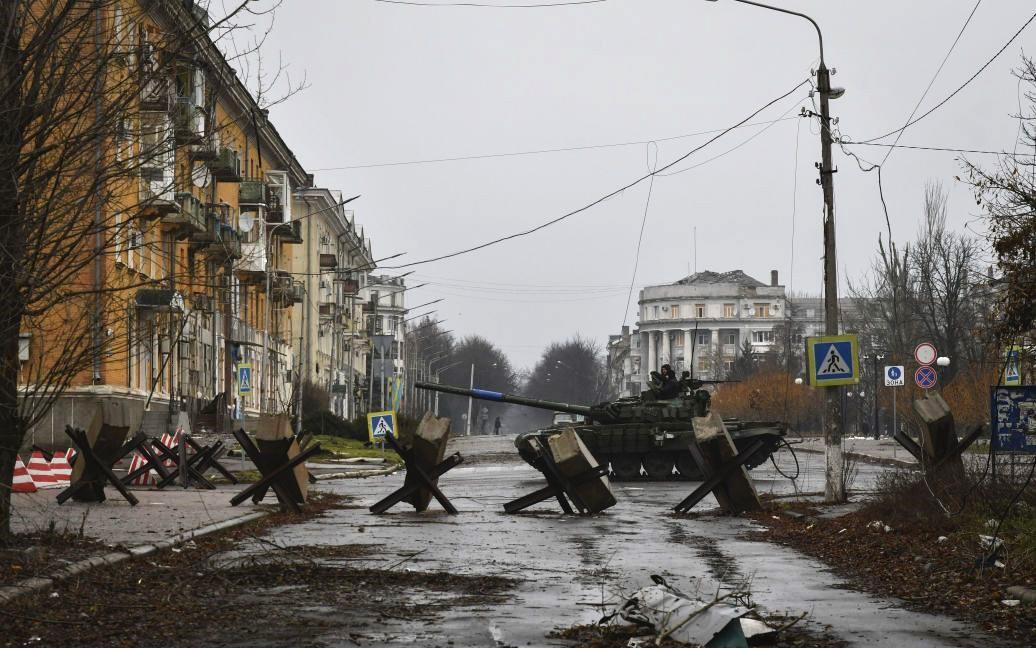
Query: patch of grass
(332, 447)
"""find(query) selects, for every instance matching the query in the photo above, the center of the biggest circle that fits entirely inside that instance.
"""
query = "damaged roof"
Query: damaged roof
(737, 277)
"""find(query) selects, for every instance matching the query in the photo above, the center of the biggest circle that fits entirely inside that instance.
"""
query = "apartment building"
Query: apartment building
(229, 275)
(335, 259)
(385, 308)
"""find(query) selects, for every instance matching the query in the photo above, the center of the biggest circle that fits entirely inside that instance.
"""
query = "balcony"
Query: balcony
(155, 95)
(156, 195)
(728, 349)
(350, 284)
(190, 217)
(251, 192)
(328, 261)
(289, 232)
(252, 267)
(188, 121)
(226, 246)
(327, 310)
(226, 166)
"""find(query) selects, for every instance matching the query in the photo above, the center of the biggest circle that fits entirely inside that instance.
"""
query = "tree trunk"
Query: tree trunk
(12, 241)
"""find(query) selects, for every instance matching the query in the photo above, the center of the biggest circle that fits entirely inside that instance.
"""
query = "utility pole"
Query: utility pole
(834, 487)
(834, 484)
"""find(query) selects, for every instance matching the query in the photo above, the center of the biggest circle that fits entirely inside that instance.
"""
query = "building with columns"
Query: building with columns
(701, 324)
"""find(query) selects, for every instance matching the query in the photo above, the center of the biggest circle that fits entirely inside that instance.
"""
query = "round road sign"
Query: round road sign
(925, 377)
(925, 353)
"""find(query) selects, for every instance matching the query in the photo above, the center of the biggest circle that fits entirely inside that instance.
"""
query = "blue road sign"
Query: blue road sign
(380, 424)
(1013, 418)
(925, 377)
(833, 360)
(894, 376)
(244, 378)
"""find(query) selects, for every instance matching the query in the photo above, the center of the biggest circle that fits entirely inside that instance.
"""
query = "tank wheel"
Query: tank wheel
(687, 468)
(659, 465)
(626, 467)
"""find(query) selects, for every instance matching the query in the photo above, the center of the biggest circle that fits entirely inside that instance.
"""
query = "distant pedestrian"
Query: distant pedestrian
(496, 426)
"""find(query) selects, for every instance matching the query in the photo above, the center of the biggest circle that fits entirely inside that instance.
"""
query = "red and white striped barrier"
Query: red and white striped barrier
(60, 468)
(171, 441)
(22, 482)
(149, 478)
(39, 471)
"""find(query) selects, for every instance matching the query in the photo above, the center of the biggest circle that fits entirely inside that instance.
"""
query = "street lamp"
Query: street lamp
(834, 487)
(942, 361)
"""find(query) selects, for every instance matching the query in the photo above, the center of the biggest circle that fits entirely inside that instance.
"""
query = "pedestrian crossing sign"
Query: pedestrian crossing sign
(381, 424)
(833, 360)
(1012, 368)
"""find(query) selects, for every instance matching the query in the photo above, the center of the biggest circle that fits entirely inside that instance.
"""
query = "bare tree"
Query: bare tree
(929, 291)
(79, 190)
(572, 371)
(1007, 192)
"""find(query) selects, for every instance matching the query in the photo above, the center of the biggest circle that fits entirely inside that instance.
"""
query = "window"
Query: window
(796, 338)
(703, 337)
(674, 311)
(728, 365)
(728, 310)
(762, 337)
(703, 364)
(762, 310)
(655, 312)
(678, 341)
(811, 313)
(730, 338)
(119, 237)
(699, 310)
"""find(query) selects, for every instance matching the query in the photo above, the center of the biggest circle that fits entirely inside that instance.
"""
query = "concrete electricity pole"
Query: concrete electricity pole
(834, 484)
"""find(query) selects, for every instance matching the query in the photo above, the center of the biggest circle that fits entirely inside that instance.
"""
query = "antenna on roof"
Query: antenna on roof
(696, 249)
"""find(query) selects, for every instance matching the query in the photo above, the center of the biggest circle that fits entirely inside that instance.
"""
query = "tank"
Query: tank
(638, 436)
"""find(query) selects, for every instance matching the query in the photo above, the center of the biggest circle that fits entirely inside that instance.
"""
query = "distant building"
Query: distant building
(701, 323)
(384, 310)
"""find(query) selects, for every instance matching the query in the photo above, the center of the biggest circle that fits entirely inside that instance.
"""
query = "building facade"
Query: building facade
(385, 310)
(228, 277)
(702, 324)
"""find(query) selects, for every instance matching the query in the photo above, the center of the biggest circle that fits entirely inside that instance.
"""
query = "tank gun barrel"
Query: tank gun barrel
(485, 394)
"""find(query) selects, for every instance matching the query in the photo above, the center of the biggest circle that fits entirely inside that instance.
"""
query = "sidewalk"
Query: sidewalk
(159, 515)
(883, 451)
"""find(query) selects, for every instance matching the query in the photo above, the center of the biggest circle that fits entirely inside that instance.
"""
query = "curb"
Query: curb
(357, 474)
(897, 463)
(11, 592)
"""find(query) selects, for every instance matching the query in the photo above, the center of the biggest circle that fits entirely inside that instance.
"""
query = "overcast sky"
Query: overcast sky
(393, 82)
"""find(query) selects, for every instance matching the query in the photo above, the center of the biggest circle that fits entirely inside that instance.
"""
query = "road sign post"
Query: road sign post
(380, 424)
(894, 377)
(833, 360)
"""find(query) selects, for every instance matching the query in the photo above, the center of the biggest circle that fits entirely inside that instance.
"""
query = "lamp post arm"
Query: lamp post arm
(820, 36)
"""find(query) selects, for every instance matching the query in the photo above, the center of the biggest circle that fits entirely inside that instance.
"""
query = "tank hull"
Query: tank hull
(659, 453)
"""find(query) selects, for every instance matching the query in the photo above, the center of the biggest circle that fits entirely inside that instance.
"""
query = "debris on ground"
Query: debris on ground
(902, 543)
(661, 615)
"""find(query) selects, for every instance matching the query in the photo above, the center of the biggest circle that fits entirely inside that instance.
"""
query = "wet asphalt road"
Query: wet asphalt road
(568, 566)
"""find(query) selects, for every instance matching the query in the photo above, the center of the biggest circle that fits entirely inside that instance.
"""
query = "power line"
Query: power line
(961, 86)
(923, 148)
(932, 81)
(652, 166)
(606, 196)
(565, 149)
